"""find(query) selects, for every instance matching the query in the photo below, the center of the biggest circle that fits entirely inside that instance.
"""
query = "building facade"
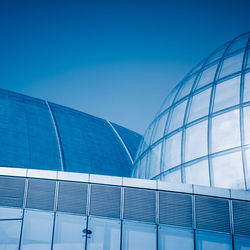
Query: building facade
(65, 176)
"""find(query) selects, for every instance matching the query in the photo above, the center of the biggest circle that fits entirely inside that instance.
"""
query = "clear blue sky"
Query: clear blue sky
(113, 59)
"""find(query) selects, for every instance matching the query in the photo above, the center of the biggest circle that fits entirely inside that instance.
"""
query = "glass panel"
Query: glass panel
(177, 117)
(160, 127)
(173, 239)
(200, 105)
(228, 171)
(172, 177)
(148, 136)
(169, 100)
(207, 76)
(10, 234)
(198, 173)
(227, 94)
(10, 213)
(68, 232)
(246, 111)
(216, 55)
(105, 234)
(142, 167)
(231, 65)
(138, 236)
(37, 230)
(186, 88)
(172, 151)
(247, 88)
(225, 131)
(247, 168)
(238, 44)
(155, 160)
(213, 241)
(196, 141)
(248, 59)
(241, 243)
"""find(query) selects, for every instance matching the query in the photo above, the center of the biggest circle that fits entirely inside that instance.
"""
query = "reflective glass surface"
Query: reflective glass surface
(213, 241)
(10, 234)
(105, 234)
(42, 135)
(68, 233)
(10, 213)
(138, 236)
(241, 243)
(37, 230)
(172, 239)
(209, 118)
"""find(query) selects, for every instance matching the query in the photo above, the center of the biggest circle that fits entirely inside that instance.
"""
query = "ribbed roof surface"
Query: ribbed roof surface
(40, 135)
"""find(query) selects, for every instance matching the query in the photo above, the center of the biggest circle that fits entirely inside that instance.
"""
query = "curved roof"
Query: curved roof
(38, 134)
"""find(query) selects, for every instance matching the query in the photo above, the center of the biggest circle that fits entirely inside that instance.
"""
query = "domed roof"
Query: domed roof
(40, 135)
(201, 134)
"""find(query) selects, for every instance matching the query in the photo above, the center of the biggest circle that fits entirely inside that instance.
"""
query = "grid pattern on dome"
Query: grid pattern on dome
(201, 134)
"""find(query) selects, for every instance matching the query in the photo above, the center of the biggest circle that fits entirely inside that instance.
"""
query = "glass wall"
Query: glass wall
(208, 118)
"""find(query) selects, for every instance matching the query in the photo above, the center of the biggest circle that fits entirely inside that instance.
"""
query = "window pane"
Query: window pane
(207, 76)
(246, 111)
(169, 100)
(186, 88)
(10, 234)
(37, 230)
(248, 59)
(138, 236)
(10, 213)
(231, 65)
(69, 232)
(173, 176)
(177, 117)
(196, 141)
(172, 151)
(200, 105)
(172, 239)
(225, 131)
(228, 171)
(105, 234)
(198, 173)
(155, 160)
(247, 88)
(247, 168)
(241, 243)
(238, 44)
(227, 94)
(213, 241)
(160, 127)
(216, 55)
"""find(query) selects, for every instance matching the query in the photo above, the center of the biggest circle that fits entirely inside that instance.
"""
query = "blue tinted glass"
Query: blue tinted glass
(241, 243)
(90, 144)
(10, 213)
(130, 138)
(213, 241)
(10, 234)
(231, 65)
(105, 234)
(138, 236)
(37, 230)
(69, 233)
(172, 239)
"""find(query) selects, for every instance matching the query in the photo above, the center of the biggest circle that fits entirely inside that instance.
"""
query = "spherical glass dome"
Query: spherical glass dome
(201, 134)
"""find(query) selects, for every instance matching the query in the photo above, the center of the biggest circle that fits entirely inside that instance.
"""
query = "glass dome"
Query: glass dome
(201, 134)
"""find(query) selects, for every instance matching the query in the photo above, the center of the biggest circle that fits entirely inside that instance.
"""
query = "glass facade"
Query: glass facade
(47, 136)
(201, 132)
(148, 219)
